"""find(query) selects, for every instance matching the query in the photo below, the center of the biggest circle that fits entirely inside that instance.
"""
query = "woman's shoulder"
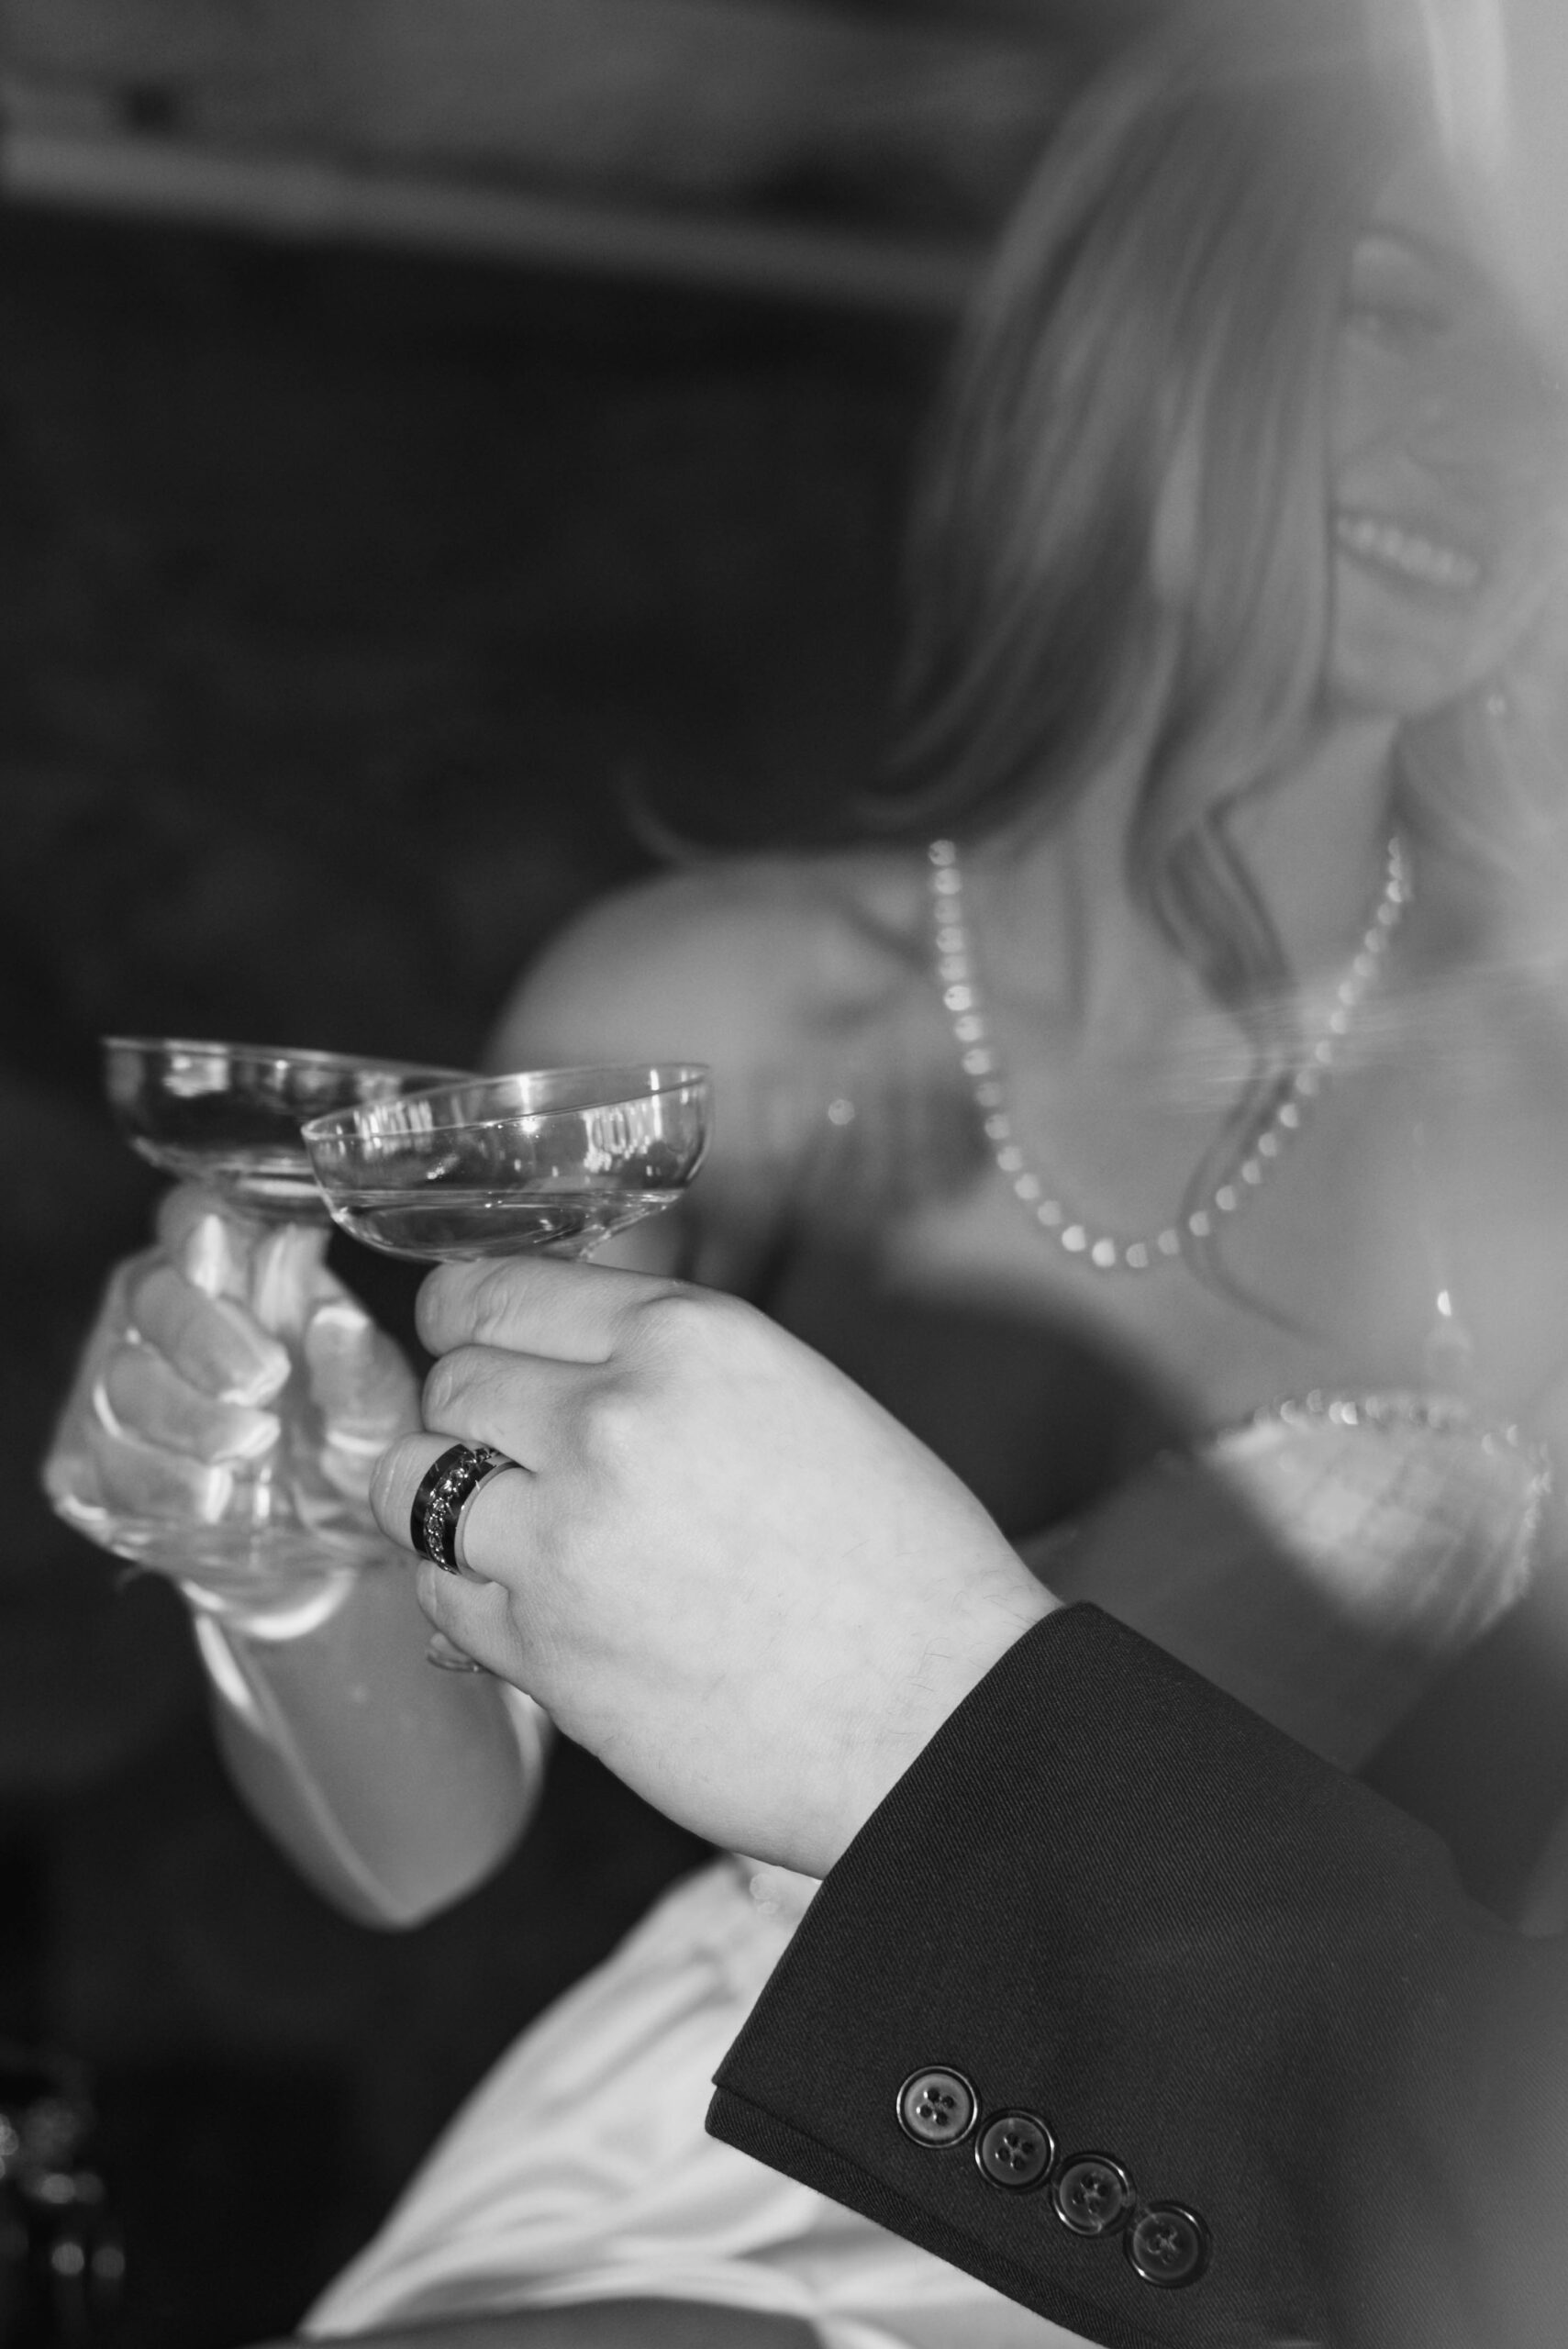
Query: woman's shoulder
(723, 961)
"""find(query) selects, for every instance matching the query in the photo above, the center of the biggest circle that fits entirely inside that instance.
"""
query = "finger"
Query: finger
(487, 1395)
(212, 1343)
(275, 1271)
(396, 1477)
(210, 1245)
(477, 1617)
(364, 1389)
(539, 1304)
(139, 1395)
(400, 1472)
(362, 1384)
(145, 1480)
(288, 1277)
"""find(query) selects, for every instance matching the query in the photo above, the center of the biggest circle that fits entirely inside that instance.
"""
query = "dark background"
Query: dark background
(343, 599)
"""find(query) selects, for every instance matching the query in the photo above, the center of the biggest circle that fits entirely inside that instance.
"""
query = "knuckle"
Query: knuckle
(690, 1338)
(609, 1426)
(678, 1324)
(490, 1301)
(462, 1304)
(143, 1301)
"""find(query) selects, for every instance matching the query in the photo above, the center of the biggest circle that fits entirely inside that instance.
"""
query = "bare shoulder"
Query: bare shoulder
(730, 962)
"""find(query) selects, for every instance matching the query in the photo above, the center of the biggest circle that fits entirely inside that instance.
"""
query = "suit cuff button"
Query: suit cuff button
(1015, 2150)
(937, 2107)
(1092, 2195)
(1168, 2245)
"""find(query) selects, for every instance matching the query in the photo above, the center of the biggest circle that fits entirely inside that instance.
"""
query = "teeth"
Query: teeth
(1407, 553)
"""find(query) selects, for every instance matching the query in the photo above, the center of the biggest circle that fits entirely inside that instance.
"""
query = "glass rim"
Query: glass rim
(311, 1055)
(673, 1076)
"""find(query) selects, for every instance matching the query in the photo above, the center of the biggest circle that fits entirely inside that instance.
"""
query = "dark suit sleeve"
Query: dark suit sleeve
(1165, 1946)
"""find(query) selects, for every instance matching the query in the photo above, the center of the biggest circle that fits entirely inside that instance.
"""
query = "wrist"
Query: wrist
(925, 1698)
(282, 1609)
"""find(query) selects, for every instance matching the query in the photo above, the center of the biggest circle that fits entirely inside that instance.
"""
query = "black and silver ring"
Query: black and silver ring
(449, 1485)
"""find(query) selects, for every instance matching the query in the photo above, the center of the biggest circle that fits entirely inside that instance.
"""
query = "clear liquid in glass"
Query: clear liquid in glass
(449, 1223)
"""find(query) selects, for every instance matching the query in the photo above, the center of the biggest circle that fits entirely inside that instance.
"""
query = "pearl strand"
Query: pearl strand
(1104, 1252)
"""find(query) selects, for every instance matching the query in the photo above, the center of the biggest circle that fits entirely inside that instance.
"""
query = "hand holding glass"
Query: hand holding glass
(252, 1513)
(554, 1159)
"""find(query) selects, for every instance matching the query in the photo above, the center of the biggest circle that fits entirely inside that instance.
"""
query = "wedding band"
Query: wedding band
(442, 1501)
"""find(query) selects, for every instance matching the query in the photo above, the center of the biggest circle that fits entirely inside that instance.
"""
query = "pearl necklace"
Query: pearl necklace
(1255, 1156)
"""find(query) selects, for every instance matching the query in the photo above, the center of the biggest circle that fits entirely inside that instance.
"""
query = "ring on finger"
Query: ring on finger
(445, 1495)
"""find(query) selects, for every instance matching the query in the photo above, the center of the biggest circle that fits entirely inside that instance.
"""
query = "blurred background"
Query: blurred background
(426, 426)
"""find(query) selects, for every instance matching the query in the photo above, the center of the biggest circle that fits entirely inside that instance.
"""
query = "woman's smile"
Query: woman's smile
(1412, 555)
(1445, 445)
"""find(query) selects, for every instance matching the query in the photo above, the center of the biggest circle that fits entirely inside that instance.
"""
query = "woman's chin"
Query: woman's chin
(1407, 655)
(1404, 673)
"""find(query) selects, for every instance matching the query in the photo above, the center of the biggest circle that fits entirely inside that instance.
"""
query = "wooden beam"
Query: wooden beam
(310, 200)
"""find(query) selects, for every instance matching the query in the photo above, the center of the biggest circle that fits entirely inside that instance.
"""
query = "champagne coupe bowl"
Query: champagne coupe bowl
(228, 1114)
(550, 1159)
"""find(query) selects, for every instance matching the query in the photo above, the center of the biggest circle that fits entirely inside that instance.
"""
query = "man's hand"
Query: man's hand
(722, 1568)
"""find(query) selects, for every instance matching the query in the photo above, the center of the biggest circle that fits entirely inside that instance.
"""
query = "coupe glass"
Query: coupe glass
(259, 1532)
(553, 1159)
(550, 1159)
(229, 1115)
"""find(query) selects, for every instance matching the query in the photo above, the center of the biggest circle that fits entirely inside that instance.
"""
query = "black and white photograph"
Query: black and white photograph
(783, 1050)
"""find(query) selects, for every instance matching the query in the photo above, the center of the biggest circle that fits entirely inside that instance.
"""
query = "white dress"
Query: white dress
(580, 2169)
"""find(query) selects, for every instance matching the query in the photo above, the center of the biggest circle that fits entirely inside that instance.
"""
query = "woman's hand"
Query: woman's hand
(722, 1568)
(185, 1379)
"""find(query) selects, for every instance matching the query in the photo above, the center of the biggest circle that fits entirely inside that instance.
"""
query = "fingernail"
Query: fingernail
(341, 1320)
(251, 1435)
(284, 1274)
(208, 1258)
